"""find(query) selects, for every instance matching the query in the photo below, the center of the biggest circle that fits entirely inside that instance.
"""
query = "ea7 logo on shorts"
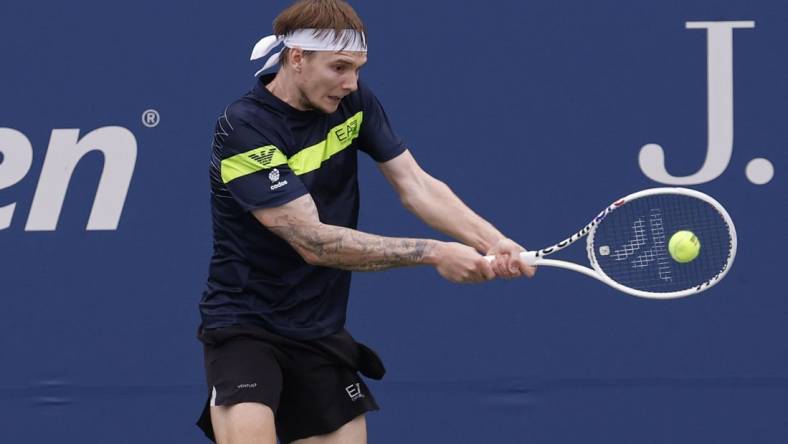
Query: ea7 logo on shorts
(354, 391)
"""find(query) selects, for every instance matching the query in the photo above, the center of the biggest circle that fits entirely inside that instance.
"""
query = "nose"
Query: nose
(350, 82)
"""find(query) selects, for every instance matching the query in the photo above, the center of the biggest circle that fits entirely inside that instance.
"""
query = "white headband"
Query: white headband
(309, 40)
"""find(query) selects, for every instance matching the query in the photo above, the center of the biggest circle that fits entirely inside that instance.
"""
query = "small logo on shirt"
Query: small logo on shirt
(354, 391)
(274, 176)
(247, 386)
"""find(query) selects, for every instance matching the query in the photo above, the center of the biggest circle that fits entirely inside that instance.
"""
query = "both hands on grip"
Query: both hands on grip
(463, 264)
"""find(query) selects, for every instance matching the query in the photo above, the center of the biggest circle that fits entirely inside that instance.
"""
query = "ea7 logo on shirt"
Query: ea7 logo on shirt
(354, 391)
(274, 176)
(347, 131)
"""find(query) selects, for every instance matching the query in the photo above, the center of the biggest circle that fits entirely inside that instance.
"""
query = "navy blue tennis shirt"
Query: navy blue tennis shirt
(265, 154)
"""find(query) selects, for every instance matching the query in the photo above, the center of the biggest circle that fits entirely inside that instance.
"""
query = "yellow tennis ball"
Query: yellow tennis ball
(684, 246)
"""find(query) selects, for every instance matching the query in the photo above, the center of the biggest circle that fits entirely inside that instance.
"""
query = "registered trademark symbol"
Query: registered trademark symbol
(150, 118)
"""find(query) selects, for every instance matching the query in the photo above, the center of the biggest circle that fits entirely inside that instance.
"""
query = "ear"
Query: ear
(296, 59)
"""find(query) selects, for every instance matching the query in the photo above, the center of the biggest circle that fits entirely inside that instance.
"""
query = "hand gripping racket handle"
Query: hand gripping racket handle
(529, 257)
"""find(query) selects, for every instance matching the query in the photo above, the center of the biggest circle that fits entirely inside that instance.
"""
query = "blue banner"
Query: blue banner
(537, 114)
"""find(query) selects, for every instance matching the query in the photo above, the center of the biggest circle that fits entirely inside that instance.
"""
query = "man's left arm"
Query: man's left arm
(435, 203)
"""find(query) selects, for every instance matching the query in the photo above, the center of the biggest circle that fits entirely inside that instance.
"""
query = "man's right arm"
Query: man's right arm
(298, 223)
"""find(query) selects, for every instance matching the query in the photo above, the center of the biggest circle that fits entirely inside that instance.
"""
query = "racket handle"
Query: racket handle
(528, 256)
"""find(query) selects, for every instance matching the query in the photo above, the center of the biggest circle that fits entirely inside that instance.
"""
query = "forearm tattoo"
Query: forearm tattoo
(345, 248)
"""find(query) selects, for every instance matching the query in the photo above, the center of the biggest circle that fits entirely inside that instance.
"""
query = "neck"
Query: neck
(284, 88)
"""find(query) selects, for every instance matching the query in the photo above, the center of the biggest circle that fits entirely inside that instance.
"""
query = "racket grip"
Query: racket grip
(529, 257)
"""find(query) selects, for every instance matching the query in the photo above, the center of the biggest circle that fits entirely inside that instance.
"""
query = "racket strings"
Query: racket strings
(631, 244)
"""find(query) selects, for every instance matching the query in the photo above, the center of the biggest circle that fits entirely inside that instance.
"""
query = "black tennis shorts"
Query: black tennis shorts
(313, 387)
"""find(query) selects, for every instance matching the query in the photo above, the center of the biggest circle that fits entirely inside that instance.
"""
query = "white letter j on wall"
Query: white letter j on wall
(720, 110)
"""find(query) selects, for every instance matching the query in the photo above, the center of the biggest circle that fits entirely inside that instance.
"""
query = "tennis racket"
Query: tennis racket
(627, 244)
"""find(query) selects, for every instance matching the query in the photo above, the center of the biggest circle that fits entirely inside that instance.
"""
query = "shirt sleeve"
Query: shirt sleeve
(377, 138)
(254, 169)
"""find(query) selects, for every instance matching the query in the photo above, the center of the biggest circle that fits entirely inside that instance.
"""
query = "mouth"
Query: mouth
(335, 99)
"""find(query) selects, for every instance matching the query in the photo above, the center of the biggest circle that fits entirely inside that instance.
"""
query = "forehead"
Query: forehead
(357, 58)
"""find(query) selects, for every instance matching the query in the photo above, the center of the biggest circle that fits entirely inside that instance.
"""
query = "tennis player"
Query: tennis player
(285, 201)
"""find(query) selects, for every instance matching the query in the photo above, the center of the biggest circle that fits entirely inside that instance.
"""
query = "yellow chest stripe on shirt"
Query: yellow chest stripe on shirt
(304, 161)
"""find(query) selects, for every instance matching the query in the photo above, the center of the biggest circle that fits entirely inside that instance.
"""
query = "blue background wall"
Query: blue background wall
(534, 112)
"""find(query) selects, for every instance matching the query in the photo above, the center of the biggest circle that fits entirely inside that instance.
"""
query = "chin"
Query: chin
(328, 109)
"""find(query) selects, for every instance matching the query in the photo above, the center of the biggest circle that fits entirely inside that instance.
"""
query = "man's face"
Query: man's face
(326, 77)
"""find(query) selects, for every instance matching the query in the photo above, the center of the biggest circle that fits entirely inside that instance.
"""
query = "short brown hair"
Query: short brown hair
(327, 15)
